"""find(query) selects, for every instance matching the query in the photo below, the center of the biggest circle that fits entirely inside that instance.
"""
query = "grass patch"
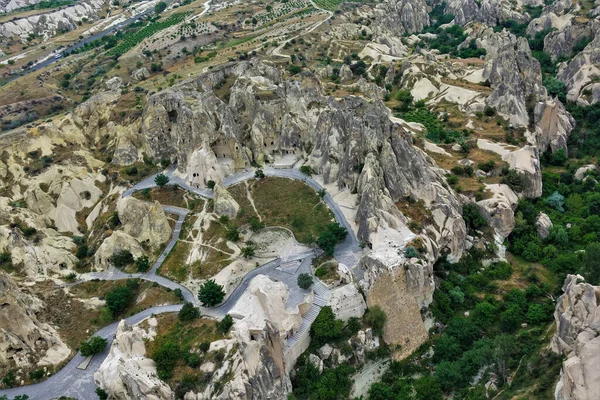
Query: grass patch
(175, 267)
(171, 195)
(288, 203)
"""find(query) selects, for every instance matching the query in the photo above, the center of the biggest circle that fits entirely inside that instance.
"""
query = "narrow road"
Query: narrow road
(73, 382)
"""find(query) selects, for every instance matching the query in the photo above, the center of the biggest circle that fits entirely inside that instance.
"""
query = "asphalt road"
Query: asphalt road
(73, 382)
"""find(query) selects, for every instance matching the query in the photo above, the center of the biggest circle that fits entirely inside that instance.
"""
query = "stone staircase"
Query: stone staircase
(320, 299)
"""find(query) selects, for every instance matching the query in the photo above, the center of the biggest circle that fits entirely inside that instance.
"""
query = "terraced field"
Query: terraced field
(330, 5)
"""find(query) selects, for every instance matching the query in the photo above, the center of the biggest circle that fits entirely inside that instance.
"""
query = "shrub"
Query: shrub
(487, 166)
(375, 317)
(93, 345)
(142, 264)
(326, 327)
(306, 170)
(188, 312)
(333, 234)
(255, 224)
(118, 299)
(210, 293)
(248, 251)
(225, 324)
(305, 281)
(411, 252)
(166, 357)
(232, 234)
(161, 180)
(101, 393)
(211, 184)
(295, 69)
(177, 292)
(353, 325)
(514, 179)
(122, 258)
(259, 174)
(473, 218)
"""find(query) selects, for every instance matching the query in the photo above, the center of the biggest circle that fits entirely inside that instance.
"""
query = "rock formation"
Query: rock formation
(397, 17)
(125, 373)
(25, 342)
(577, 338)
(145, 222)
(224, 203)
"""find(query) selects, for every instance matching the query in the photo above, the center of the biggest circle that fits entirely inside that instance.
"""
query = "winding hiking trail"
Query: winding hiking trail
(79, 383)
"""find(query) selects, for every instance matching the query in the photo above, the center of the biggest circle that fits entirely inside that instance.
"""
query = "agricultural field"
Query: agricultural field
(330, 5)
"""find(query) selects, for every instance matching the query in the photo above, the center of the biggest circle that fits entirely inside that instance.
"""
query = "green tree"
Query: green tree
(305, 281)
(295, 69)
(210, 293)
(161, 180)
(326, 327)
(447, 348)
(511, 318)
(232, 234)
(484, 314)
(592, 264)
(160, 7)
(255, 224)
(122, 258)
(248, 251)
(211, 184)
(449, 376)
(142, 264)
(188, 312)
(225, 324)
(536, 314)
(117, 299)
(94, 345)
(306, 170)
(381, 391)
(427, 388)
(101, 393)
(504, 348)
(166, 357)
(375, 317)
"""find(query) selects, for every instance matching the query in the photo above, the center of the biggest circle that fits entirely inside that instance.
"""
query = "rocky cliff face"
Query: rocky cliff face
(489, 12)
(352, 142)
(577, 338)
(397, 17)
(49, 24)
(254, 363)
(145, 222)
(579, 74)
(25, 342)
(11, 5)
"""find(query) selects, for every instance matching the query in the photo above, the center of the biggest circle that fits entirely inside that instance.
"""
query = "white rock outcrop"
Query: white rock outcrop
(224, 203)
(25, 342)
(126, 373)
(577, 338)
(146, 222)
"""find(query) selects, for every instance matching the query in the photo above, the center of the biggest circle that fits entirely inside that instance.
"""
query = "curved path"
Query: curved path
(79, 383)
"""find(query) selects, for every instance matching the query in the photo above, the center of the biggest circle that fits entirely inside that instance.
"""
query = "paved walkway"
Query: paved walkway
(77, 383)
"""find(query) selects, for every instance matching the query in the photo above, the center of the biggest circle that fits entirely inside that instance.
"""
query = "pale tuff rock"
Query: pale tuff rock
(561, 42)
(398, 17)
(345, 73)
(316, 362)
(126, 373)
(203, 167)
(254, 357)
(49, 254)
(224, 203)
(543, 223)
(144, 221)
(581, 71)
(74, 196)
(577, 337)
(140, 74)
(10, 5)
(547, 22)
(364, 341)
(24, 341)
(50, 23)
(515, 76)
(255, 353)
(346, 302)
(553, 125)
(397, 293)
(116, 242)
(267, 118)
(125, 143)
(527, 161)
(489, 12)
(581, 172)
(499, 209)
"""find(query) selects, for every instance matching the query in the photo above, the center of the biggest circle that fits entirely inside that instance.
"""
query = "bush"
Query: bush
(101, 393)
(514, 179)
(295, 69)
(211, 184)
(353, 325)
(411, 252)
(188, 312)
(232, 234)
(142, 264)
(487, 166)
(306, 170)
(94, 345)
(326, 327)
(255, 224)
(118, 299)
(161, 180)
(122, 258)
(259, 174)
(305, 281)
(210, 293)
(375, 317)
(248, 251)
(166, 357)
(333, 234)
(177, 292)
(473, 218)
(225, 324)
